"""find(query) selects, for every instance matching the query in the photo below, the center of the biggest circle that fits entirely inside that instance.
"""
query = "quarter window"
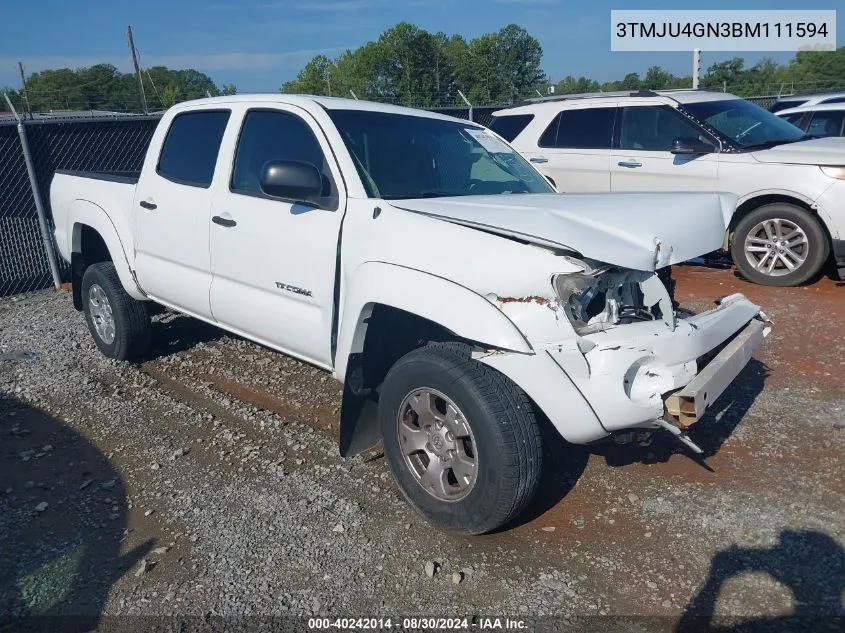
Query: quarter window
(510, 126)
(587, 128)
(190, 149)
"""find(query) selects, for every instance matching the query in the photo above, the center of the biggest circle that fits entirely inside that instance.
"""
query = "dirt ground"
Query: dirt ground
(205, 482)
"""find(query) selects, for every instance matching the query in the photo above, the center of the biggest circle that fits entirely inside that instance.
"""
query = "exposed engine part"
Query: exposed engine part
(608, 296)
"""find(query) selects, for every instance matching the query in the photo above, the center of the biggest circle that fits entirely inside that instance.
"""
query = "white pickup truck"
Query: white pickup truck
(428, 266)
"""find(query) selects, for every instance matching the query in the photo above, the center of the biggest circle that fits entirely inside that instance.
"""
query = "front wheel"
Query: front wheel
(461, 439)
(779, 245)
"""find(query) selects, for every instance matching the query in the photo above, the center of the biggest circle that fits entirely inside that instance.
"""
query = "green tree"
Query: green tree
(411, 66)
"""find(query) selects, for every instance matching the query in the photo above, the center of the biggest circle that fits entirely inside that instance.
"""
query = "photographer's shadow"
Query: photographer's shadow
(63, 516)
(810, 564)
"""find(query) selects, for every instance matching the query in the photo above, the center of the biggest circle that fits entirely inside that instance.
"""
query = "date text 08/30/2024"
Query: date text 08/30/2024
(417, 624)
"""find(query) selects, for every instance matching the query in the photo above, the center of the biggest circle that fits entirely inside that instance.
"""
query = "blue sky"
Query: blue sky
(258, 44)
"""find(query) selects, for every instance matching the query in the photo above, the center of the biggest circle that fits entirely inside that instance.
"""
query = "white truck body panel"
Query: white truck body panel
(304, 280)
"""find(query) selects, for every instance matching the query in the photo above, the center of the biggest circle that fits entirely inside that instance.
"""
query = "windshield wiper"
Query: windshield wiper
(422, 194)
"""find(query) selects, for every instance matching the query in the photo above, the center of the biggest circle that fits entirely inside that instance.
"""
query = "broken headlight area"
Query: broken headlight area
(607, 296)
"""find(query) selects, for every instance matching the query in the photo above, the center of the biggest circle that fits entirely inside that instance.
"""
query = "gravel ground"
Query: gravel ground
(206, 481)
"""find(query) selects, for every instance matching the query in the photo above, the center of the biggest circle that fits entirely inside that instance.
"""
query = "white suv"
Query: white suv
(817, 120)
(790, 215)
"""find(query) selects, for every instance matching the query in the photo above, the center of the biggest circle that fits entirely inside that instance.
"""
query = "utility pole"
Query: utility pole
(696, 67)
(25, 97)
(137, 70)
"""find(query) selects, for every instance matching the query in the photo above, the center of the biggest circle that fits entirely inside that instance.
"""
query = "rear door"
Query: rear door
(641, 159)
(273, 262)
(574, 150)
(173, 198)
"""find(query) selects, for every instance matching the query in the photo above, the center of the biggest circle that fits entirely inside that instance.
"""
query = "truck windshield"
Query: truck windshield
(400, 157)
(744, 124)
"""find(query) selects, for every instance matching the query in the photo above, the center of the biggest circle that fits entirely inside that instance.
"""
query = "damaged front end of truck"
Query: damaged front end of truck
(637, 361)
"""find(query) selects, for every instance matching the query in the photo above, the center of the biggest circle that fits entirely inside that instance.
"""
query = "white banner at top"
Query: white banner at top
(722, 30)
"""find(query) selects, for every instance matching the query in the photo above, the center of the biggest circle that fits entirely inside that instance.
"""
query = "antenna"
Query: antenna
(354, 96)
(137, 70)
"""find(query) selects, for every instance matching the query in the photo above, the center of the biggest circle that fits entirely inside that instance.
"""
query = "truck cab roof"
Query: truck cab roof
(310, 101)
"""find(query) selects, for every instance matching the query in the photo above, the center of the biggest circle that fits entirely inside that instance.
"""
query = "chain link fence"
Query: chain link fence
(86, 143)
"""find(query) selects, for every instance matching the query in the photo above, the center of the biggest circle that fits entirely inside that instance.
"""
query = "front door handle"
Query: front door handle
(631, 164)
(539, 159)
(227, 222)
(148, 205)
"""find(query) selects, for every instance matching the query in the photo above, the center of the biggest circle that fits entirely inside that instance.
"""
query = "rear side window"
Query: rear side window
(510, 126)
(190, 149)
(834, 100)
(588, 128)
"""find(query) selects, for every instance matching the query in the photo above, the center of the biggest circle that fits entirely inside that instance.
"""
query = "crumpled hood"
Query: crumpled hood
(816, 151)
(642, 231)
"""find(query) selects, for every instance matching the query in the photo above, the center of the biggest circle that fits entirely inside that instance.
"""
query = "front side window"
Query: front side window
(402, 156)
(271, 135)
(834, 100)
(189, 152)
(827, 123)
(587, 128)
(654, 128)
(743, 124)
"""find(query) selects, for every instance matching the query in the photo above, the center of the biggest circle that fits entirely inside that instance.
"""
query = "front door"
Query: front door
(642, 161)
(273, 261)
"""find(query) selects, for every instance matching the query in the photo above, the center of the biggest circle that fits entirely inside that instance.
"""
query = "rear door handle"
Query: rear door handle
(630, 163)
(539, 159)
(227, 222)
(148, 205)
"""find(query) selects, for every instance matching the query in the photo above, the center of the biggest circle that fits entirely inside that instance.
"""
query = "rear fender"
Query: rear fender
(85, 213)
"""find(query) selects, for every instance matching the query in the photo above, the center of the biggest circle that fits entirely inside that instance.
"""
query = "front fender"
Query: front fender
(450, 305)
(83, 212)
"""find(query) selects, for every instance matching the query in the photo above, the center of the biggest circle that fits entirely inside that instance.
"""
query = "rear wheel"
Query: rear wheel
(461, 439)
(779, 245)
(119, 324)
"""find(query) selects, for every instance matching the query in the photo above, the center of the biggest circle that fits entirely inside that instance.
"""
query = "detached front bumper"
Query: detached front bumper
(627, 376)
(634, 368)
(688, 405)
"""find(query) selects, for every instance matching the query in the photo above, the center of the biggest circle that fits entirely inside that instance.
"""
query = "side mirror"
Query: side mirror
(691, 145)
(291, 180)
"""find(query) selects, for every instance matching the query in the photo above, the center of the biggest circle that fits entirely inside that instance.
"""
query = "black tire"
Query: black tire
(130, 316)
(816, 250)
(507, 443)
